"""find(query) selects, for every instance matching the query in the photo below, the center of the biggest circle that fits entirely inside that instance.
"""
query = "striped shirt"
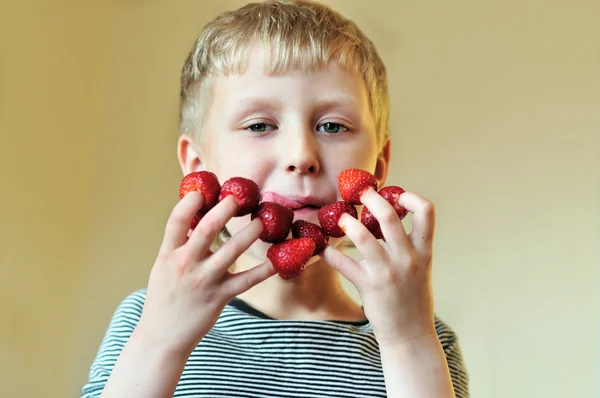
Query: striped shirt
(248, 354)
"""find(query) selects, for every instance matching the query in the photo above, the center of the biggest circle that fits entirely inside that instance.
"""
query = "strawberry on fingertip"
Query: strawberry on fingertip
(353, 182)
(289, 257)
(390, 193)
(330, 214)
(244, 190)
(305, 229)
(276, 219)
(204, 182)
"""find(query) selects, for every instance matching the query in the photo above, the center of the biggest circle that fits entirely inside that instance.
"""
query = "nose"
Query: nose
(301, 153)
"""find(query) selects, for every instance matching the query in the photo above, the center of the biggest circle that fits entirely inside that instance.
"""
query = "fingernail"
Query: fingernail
(341, 223)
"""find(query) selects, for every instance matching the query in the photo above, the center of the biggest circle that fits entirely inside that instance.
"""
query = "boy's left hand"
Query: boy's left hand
(394, 279)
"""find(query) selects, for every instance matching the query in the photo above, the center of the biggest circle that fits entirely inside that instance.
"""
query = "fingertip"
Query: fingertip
(328, 248)
(411, 201)
(371, 198)
(367, 193)
(343, 222)
(194, 199)
(340, 262)
(266, 271)
(331, 256)
(192, 195)
(271, 268)
(257, 224)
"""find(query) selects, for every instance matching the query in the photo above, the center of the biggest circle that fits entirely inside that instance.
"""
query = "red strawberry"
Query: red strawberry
(204, 182)
(196, 219)
(369, 221)
(245, 191)
(391, 194)
(276, 219)
(353, 182)
(305, 229)
(289, 257)
(330, 214)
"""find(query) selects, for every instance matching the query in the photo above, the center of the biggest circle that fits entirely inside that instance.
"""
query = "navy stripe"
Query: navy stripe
(248, 354)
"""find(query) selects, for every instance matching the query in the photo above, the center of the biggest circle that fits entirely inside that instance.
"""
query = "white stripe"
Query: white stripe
(248, 356)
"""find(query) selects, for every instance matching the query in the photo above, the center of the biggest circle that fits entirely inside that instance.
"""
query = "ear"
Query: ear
(188, 154)
(383, 163)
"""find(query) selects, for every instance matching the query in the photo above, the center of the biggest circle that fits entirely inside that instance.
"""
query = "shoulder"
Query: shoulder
(450, 344)
(134, 300)
(129, 310)
(124, 320)
(447, 336)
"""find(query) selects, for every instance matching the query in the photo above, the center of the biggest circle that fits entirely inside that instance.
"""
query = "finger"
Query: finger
(211, 224)
(391, 226)
(423, 219)
(226, 255)
(364, 240)
(345, 265)
(240, 282)
(180, 219)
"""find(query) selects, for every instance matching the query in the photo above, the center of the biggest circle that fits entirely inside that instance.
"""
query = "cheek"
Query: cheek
(352, 156)
(241, 158)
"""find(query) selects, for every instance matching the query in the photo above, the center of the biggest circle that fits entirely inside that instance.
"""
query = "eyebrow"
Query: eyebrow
(342, 102)
(249, 105)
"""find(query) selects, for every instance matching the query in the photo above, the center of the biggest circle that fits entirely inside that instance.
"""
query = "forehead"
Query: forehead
(257, 77)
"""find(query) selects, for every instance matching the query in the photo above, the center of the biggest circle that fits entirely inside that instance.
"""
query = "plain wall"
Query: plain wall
(495, 118)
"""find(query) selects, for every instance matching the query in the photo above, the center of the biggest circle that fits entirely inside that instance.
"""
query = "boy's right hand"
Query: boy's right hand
(189, 285)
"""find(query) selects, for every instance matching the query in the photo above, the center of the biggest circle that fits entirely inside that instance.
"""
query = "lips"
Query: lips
(293, 202)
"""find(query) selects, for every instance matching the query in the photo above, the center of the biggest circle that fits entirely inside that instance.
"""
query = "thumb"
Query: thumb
(345, 265)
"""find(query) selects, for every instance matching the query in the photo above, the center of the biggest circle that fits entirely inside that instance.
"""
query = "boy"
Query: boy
(287, 94)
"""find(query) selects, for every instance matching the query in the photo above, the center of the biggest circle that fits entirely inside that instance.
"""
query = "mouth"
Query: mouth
(296, 203)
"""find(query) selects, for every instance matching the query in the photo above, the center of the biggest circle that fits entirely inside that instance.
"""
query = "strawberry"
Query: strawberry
(391, 194)
(196, 219)
(276, 219)
(245, 191)
(289, 257)
(353, 182)
(204, 182)
(305, 229)
(330, 214)
(368, 220)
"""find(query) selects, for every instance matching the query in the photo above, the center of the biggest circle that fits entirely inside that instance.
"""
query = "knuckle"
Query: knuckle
(179, 217)
(163, 256)
(388, 215)
(362, 236)
(411, 258)
(210, 225)
(231, 248)
(210, 296)
(182, 259)
(389, 275)
(412, 263)
(412, 268)
(249, 280)
(427, 208)
(427, 258)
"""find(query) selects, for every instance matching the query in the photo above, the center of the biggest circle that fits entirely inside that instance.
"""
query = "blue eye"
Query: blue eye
(258, 127)
(332, 128)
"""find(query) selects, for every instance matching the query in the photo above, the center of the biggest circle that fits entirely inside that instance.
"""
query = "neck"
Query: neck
(317, 294)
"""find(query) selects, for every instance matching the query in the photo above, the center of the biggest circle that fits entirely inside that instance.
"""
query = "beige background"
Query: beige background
(496, 118)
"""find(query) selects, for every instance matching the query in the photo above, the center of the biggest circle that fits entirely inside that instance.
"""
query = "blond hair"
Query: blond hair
(298, 34)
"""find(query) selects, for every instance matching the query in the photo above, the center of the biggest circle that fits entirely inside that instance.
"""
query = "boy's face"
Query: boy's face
(291, 134)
